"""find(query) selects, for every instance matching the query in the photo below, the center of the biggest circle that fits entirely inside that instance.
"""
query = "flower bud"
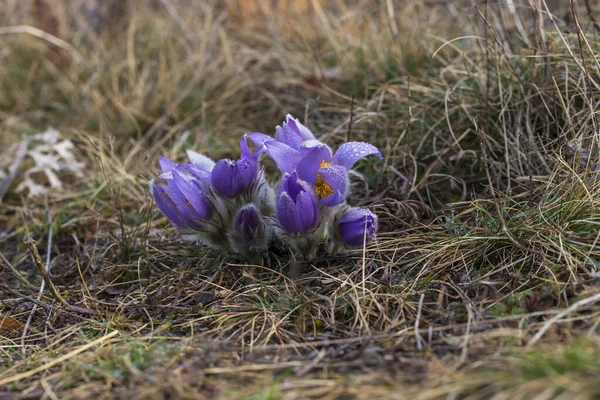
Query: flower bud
(297, 205)
(231, 178)
(250, 234)
(355, 227)
(249, 225)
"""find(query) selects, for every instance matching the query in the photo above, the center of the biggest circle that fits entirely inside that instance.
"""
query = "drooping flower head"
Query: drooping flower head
(356, 227)
(183, 200)
(297, 205)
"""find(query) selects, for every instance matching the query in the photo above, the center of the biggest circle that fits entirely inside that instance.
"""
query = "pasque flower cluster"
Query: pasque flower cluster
(231, 206)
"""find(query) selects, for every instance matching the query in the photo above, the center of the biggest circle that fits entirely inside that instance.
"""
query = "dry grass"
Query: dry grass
(484, 278)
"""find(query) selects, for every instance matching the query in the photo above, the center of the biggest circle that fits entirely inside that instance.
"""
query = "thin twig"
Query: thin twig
(417, 336)
(551, 321)
(465, 345)
(172, 10)
(349, 134)
(40, 264)
(46, 269)
(30, 30)
(579, 38)
(392, 18)
(15, 272)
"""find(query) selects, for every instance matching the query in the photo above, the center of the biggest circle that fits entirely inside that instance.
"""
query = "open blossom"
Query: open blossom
(356, 227)
(295, 149)
(297, 205)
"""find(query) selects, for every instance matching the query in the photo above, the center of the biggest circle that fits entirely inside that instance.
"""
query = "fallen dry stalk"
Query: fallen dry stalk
(40, 264)
(58, 360)
(553, 320)
(30, 30)
(15, 272)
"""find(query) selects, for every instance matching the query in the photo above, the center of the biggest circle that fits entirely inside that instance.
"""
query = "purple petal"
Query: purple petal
(200, 174)
(355, 214)
(354, 239)
(292, 186)
(309, 145)
(349, 153)
(222, 176)
(296, 205)
(286, 213)
(307, 211)
(284, 186)
(200, 161)
(333, 199)
(293, 133)
(164, 200)
(191, 192)
(357, 225)
(307, 168)
(284, 156)
(336, 177)
(166, 165)
(249, 224)
(231, 178)
(259, 139)
(300, 130)
(245, 150)
(244, 173)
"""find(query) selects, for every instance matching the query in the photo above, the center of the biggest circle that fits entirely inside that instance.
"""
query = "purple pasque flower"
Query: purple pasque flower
(183, 200)
(249, 226)
(248, 222)
(231, 178)
(327, 173)
(290, 135)
(297, 205)
(356, 227)
(296, 149)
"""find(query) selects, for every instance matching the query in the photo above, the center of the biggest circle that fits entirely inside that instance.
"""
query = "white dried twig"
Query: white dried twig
(46, 268)
(553, 320)
(51, 156)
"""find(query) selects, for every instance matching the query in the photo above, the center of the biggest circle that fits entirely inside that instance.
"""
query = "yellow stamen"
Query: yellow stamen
(322, 188)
